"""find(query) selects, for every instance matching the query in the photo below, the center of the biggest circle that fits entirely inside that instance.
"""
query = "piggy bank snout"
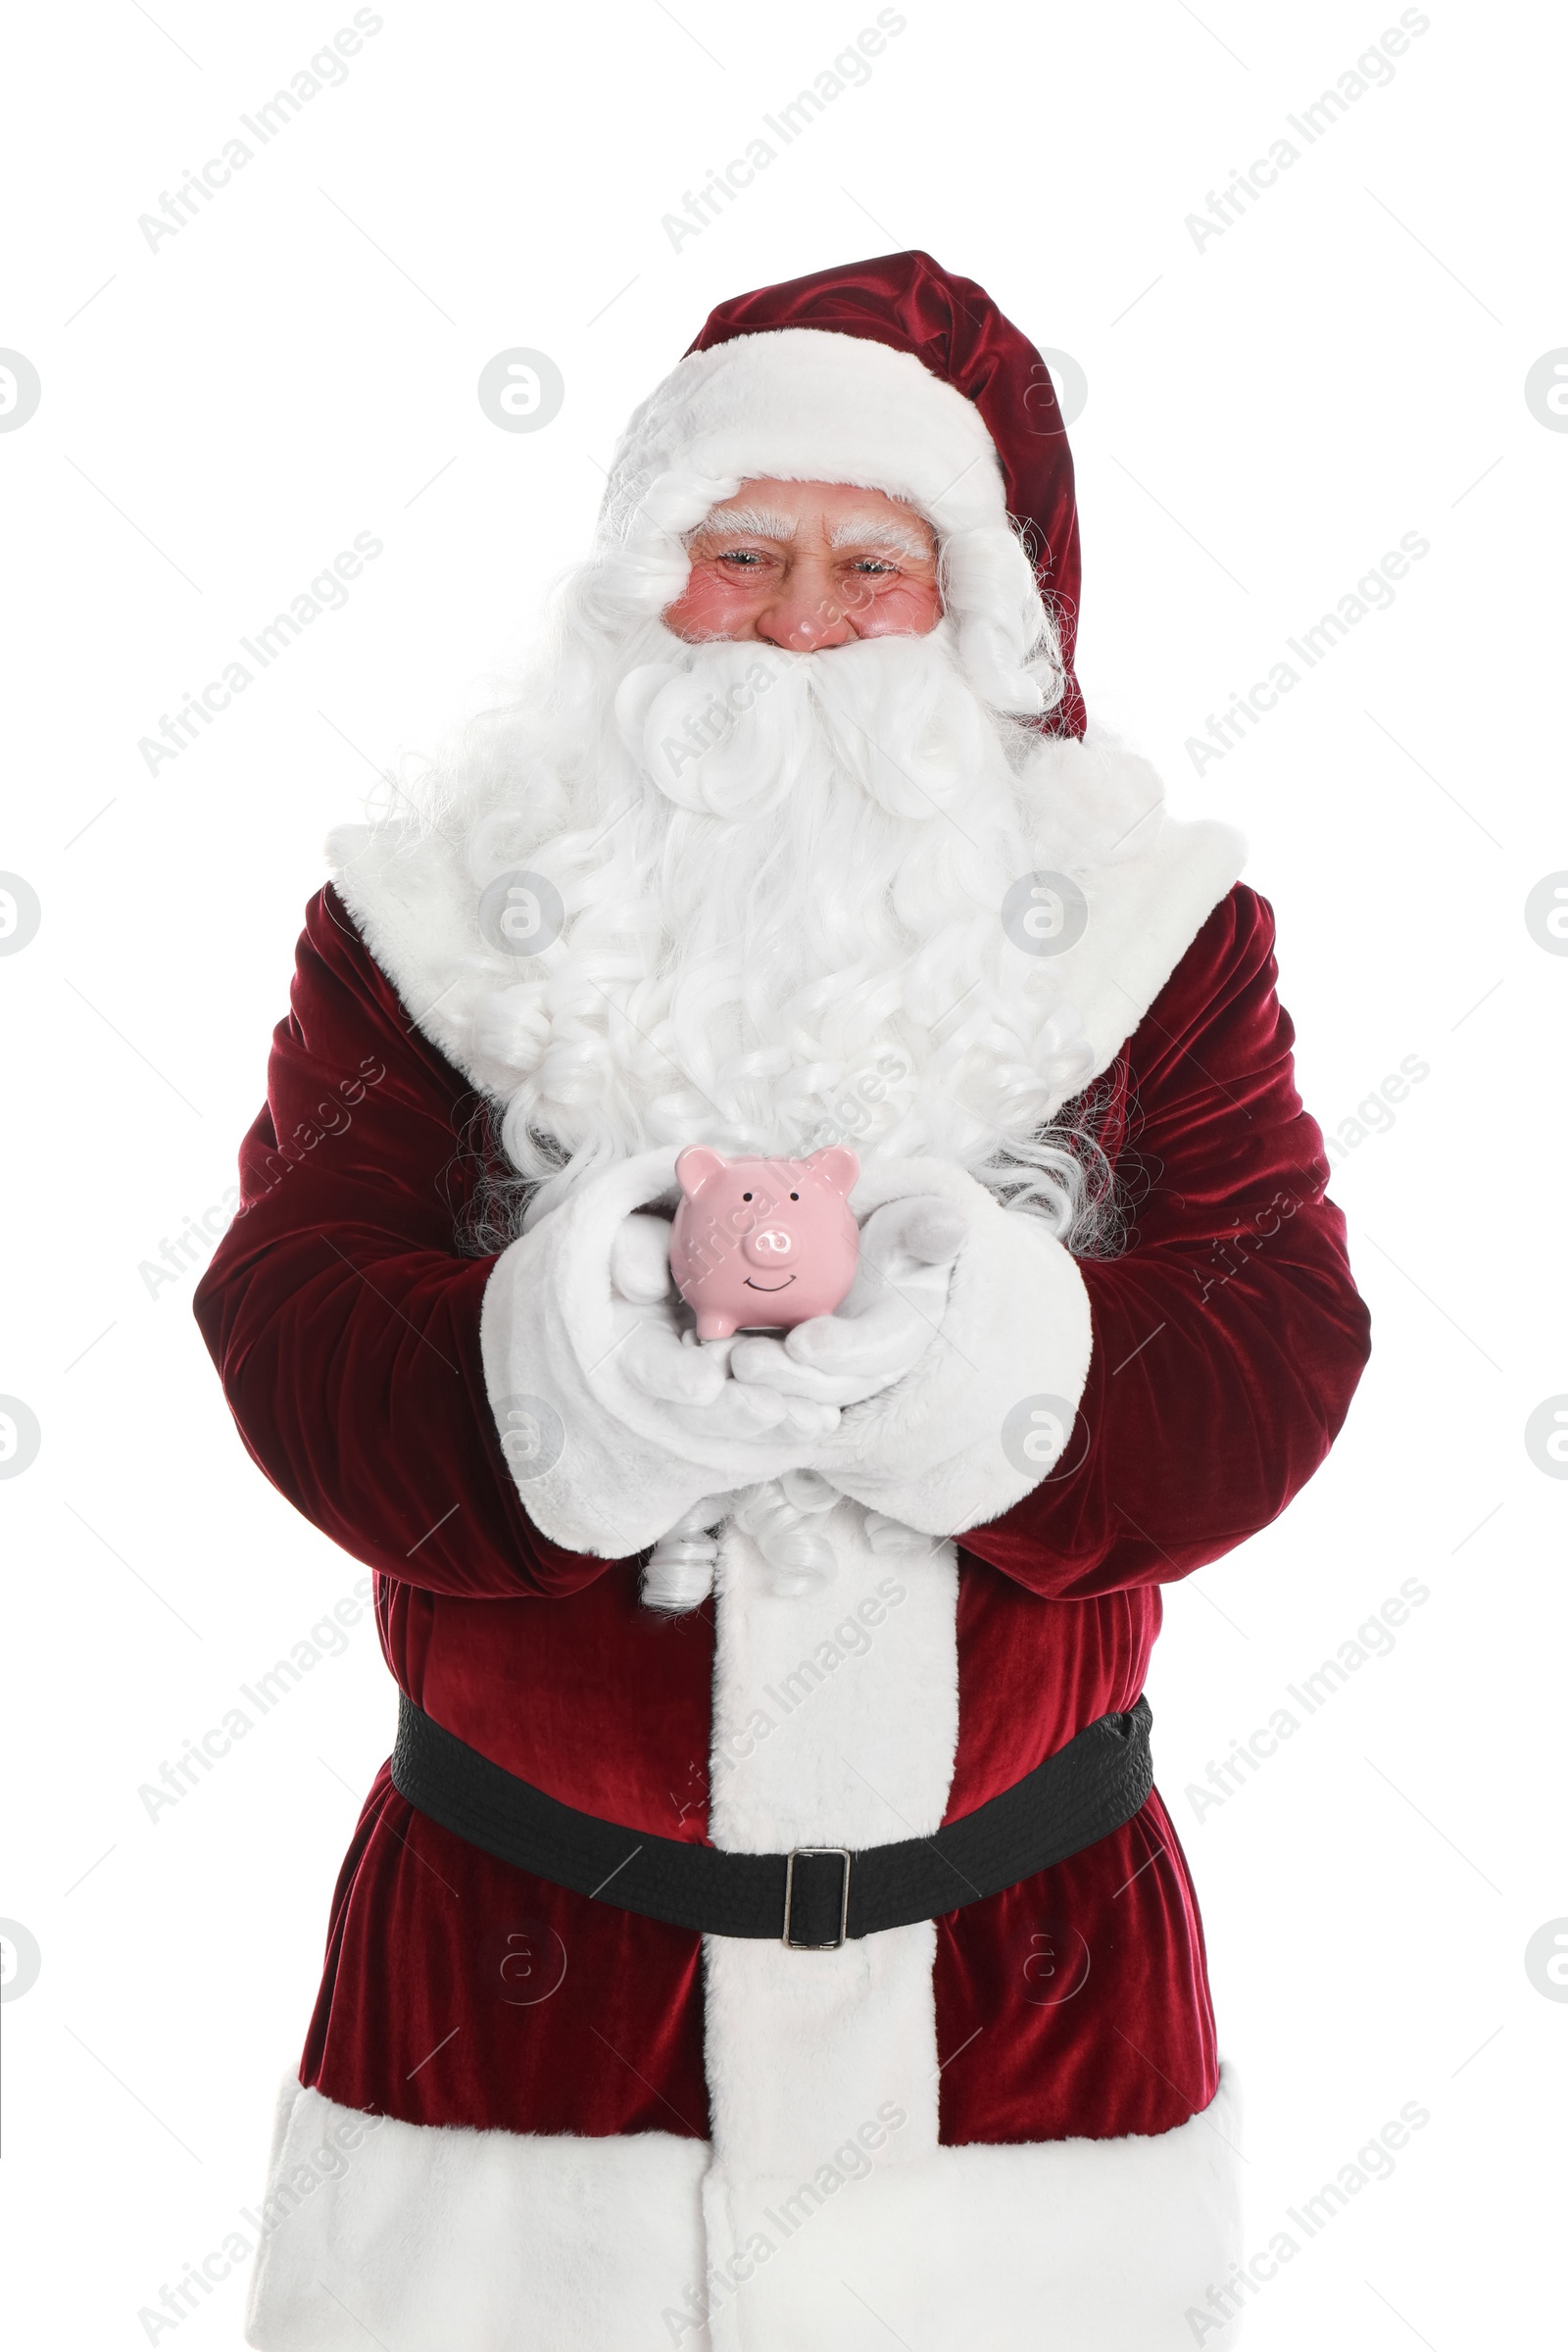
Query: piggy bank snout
(772, 1244)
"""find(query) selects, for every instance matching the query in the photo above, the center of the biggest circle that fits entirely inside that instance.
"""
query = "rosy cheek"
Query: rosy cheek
(712, 604)
(908, 609)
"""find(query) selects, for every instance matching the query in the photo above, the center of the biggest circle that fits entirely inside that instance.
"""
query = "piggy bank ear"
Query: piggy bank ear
(838, 1166)
(695, 1165)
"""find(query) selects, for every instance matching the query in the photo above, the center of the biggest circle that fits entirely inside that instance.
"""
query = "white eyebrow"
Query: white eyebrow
(743, 523)
(876, 530)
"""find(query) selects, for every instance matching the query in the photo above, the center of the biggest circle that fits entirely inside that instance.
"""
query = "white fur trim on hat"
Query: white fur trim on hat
(801, 403)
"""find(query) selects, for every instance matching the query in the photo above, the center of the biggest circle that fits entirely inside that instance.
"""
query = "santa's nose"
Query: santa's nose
(803, 624)
(770, 1246)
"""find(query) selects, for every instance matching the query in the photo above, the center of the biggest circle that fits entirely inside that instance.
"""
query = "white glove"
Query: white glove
(607, 1460)
(672, 1367)
(891, 1316)
(959, 1438)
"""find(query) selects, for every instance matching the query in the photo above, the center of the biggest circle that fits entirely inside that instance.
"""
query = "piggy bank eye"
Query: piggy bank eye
(795, 1196)
(746, 1195)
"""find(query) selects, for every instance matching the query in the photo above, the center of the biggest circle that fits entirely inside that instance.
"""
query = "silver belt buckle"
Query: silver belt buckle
(793, 1943)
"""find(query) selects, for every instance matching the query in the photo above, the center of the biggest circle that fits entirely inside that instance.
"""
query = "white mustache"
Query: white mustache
(723, 733)
(727, 728)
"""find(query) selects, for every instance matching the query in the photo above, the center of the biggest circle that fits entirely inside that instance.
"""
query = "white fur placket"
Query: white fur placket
(835, 1723)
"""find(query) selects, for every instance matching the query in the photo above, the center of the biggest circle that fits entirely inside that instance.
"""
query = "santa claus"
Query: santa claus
(765, 1934)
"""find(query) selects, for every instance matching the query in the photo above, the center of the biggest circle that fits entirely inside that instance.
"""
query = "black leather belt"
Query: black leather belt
(817, 1896)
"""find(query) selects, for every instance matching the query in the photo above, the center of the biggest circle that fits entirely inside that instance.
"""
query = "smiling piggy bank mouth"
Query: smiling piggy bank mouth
(769, 1287)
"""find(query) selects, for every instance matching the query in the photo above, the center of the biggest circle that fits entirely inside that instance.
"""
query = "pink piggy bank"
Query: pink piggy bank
(763, 1243)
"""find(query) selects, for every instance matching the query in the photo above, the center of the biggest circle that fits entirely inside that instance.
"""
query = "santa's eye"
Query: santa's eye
(874, 565)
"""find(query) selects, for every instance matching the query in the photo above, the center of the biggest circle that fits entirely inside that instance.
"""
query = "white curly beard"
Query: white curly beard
(783, 877)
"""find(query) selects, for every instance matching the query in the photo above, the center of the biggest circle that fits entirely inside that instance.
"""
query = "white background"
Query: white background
(1265, 417)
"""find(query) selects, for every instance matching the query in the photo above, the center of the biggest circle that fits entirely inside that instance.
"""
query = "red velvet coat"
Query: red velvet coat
(343, 1314)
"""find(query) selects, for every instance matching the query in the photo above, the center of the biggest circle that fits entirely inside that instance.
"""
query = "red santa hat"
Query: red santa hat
(894, 374)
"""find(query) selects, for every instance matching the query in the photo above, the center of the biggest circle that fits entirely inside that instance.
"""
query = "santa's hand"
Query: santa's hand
(639, 1261)
(741, 1412)
(957, 1441)
(671, 1367)
(891, 1316)
(692, 1380)
(648, 1337)
(643, 1309)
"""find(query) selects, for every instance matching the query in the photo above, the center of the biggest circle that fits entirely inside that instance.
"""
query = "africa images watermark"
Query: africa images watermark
(1229, 1252)
(705, 729)
(1373, 2161)
(1373, 593)
(848, 2164)
(1374, 1114)
(848, 1118)
(1374, 1638)
(327, 593)
(850, 1639)
(328, 1638)
(1373, 69)
(328, 69)
(850, 70)
(331, 2161)
(196, 1238)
